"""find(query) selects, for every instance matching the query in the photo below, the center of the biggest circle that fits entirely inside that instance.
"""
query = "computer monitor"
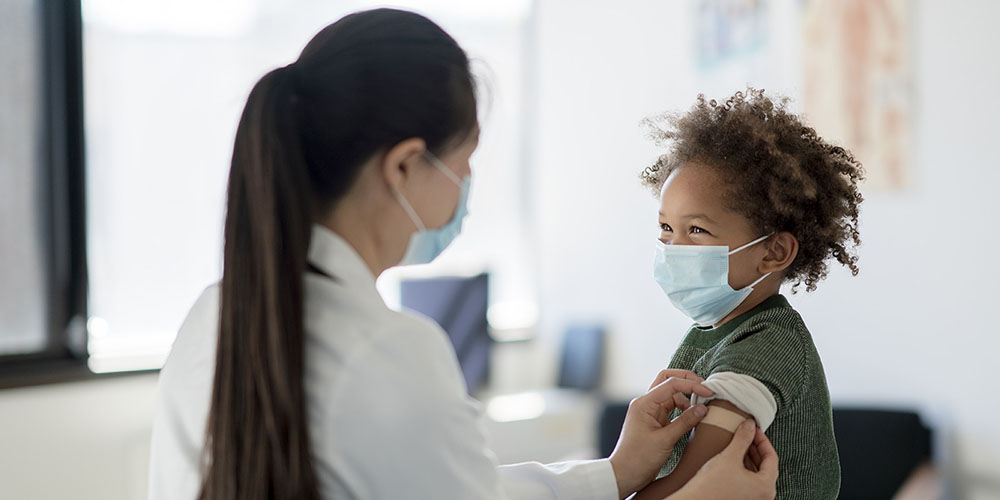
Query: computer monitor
(459, 305)
(582, 363)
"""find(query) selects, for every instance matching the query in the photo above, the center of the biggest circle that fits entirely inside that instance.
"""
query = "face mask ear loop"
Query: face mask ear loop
(443, 168)
(409, 210)
(762, 278)
(752, 243)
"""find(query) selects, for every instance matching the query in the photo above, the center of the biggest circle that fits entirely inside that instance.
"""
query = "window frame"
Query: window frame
(62, 206)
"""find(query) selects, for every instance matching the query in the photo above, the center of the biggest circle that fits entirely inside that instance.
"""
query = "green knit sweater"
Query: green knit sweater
(771, 343)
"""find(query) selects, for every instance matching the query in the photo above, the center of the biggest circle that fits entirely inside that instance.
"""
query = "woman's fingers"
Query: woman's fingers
(768, 457)
(743, 438)
(663, 393)
(674, 373)
(681, 425)
(648, 435)
(681, 401)
(754, 456)
(667, 396)
(726, 476)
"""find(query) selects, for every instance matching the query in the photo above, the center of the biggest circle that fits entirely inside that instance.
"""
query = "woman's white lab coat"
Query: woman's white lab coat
(387, 405)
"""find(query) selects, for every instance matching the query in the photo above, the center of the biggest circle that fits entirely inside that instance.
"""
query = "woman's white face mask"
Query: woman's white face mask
(426, 244)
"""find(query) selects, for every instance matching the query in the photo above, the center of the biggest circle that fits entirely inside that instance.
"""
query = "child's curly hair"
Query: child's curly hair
(782, 175)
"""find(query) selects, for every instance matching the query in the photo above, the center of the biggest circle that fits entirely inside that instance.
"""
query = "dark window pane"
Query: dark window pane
(23, 310)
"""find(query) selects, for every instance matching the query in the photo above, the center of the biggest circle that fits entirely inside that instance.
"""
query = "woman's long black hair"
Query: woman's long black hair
(362, 85)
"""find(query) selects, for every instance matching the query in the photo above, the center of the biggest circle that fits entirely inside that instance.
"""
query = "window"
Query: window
(165, 83)
(42, 271)
(98, 270)
(104, 249)
(22, 291)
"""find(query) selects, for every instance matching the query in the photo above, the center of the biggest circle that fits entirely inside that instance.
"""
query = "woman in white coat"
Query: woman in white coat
(291, 379)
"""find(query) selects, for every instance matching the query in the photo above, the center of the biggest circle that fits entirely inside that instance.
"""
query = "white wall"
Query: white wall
(914, 329)
(84, 440)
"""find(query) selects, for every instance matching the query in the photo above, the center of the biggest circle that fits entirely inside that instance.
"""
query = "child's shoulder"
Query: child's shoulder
(772, 345)
(775, 326)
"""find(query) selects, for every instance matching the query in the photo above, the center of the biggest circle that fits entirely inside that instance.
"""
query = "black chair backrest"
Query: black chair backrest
(878, 449)
(609, 426)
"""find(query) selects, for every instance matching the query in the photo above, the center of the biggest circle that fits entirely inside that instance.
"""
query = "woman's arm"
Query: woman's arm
(708, 441)
(421, 436)
(647, 437)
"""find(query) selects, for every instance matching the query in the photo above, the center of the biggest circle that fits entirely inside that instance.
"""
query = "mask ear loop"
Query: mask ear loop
(409, 210)
(443, 168)
(406, 204)
(762, 278)
(752, 243)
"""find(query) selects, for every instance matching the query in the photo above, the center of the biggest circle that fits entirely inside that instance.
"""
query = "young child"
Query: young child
(750, 198)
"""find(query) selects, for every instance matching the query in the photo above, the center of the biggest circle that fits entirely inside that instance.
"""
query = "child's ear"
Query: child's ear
(781, 251)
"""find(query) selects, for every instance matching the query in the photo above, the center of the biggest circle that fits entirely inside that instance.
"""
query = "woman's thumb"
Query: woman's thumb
(681, 425)
(741, 439)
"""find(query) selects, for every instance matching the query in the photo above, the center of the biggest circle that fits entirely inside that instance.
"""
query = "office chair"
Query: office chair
(879, 450)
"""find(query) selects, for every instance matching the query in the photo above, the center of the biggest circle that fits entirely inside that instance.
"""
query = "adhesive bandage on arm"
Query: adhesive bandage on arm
(721, 417)
(744, 392)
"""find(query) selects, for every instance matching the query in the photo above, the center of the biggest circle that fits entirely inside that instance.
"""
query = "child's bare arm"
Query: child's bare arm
(708, 440)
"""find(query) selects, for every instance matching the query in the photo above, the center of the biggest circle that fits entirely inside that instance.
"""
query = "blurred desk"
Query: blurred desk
(545, 426)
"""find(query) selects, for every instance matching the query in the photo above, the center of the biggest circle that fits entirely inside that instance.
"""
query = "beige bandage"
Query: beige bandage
(721, 417)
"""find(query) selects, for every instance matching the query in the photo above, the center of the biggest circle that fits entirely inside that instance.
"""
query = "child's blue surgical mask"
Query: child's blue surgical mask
(426, 244)
(696, 280)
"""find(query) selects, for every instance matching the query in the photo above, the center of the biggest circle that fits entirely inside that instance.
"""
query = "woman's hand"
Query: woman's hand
(649, 435)
(725, 477)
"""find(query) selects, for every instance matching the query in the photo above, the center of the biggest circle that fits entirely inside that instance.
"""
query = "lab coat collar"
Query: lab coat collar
(333, 255)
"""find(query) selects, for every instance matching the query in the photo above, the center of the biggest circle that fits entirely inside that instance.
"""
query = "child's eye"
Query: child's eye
(665, 227)
(696, 229)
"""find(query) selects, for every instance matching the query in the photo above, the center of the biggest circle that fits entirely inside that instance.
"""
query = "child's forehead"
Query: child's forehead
(697, 189)
(694, 183)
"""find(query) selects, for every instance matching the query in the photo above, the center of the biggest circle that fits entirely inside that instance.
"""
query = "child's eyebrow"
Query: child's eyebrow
(693, 216)
(699, 216)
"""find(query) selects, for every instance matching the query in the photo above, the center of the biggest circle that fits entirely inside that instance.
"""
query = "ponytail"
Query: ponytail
(258, 445)
(362, 85)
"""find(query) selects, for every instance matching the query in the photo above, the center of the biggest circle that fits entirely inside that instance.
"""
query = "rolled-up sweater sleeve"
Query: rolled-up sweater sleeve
(743, 391)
